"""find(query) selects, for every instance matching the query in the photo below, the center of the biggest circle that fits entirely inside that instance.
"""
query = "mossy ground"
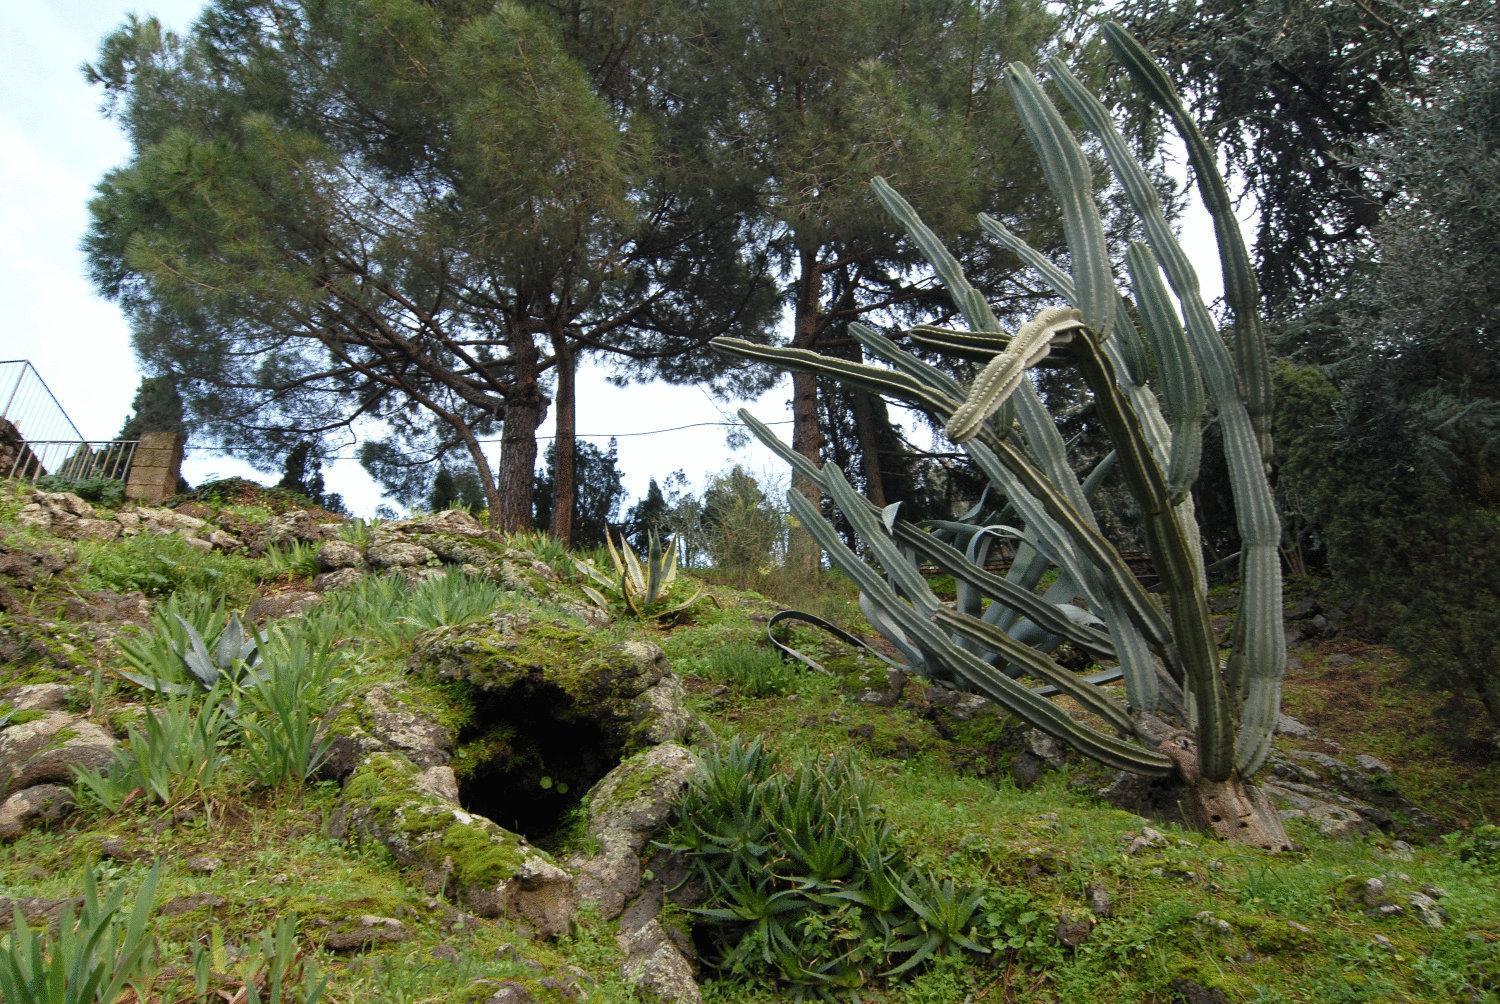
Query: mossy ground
(1293, 933)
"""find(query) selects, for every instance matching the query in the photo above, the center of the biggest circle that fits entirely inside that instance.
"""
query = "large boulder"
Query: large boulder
(380, 721)
(489, 870)
(625, 810)
(39, 804)
(48, 748)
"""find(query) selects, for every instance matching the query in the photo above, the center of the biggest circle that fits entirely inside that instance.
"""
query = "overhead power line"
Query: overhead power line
(581, 435)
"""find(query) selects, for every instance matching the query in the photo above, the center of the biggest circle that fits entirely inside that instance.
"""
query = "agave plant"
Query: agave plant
(1183, 713)
(643, 584)
(231, 656)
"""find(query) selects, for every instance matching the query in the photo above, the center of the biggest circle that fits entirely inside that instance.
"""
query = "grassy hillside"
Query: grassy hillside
(1073, 899)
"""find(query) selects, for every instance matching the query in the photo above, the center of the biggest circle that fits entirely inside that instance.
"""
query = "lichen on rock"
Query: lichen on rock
(488, 869)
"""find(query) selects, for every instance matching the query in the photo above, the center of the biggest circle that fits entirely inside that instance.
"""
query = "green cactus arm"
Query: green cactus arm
(1015, 697)
(1089, 697)
(1041, 505)
(1126, 607)
(1182, 390)
(1002, 591)
(1122, 350)
(1259, 650)
(975, 346)
(1187, 605)
(1002, 462)
(1003, 374)
(1072, 184)
(1240, 289)
(871, 529)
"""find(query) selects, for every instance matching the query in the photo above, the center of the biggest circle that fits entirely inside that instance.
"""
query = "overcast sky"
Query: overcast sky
(57, 146)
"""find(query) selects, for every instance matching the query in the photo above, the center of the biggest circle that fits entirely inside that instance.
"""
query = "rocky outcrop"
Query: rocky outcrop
(379, 721)
(624, 687)
(64, 514)
(47, 750)
(491, 871)
(1342, 799)
(37, 805)
(625, 810)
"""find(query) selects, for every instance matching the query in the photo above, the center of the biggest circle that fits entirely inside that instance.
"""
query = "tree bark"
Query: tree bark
(807, 434)
(564, 447)
(524, 410)
(869, 447)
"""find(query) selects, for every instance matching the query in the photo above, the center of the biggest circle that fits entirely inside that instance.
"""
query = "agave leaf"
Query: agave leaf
(154, 684)
(614, 554)
(633, 571)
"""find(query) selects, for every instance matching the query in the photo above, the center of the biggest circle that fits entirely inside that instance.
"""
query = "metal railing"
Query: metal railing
(29, 404)
(72, 459)
(38, 439)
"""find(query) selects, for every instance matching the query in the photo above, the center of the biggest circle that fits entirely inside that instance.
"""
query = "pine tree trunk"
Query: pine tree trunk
(807, 434)
(524, 410)
(564, 473)
(869, 447)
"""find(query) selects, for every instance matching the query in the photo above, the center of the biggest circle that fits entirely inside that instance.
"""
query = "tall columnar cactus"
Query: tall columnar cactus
(1186, 711)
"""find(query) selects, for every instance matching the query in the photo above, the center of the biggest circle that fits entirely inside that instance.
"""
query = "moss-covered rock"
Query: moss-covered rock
(380, 720)
(625, 687)
(490, 870)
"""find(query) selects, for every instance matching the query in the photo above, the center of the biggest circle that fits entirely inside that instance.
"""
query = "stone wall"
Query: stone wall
(156, 467)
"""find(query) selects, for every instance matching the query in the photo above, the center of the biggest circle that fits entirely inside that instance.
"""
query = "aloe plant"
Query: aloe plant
(1184, 713)
(642, 583)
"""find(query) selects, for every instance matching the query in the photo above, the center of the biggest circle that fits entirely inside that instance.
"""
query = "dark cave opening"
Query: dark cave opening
(528, 757)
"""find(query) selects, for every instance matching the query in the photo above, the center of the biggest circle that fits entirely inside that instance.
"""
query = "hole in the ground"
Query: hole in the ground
(531, 758)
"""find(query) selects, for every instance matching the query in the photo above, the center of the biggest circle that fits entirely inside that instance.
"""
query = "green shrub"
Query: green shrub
(100, 491)
(192, 645)
(164, 565)
(88, 957)
(1416, 562)
(391, 609)
(274, 970)
(806, 885)
(171, 755)
(293, 559)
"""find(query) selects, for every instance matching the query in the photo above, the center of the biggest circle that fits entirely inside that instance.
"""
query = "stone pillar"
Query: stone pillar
(156, 467)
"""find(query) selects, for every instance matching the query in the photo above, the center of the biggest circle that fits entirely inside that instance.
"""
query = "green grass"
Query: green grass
(160, 566)
(1293, 932)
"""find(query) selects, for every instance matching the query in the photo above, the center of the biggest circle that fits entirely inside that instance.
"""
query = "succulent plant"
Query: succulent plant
(231, 657)
(642, 583)
(1184, 714)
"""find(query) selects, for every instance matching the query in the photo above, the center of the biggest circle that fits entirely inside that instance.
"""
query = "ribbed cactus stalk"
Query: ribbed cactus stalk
(1184, 711)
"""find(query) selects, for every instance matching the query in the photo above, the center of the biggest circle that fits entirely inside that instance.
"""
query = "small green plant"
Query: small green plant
(91, 956)
(806, 885)
(286, 708)
(178, 659)
(547, 548)
(751, 669)
(274, 970)
(642, 585)
(171, 755)
(100, 491)
(357, 531)
(292, 559)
